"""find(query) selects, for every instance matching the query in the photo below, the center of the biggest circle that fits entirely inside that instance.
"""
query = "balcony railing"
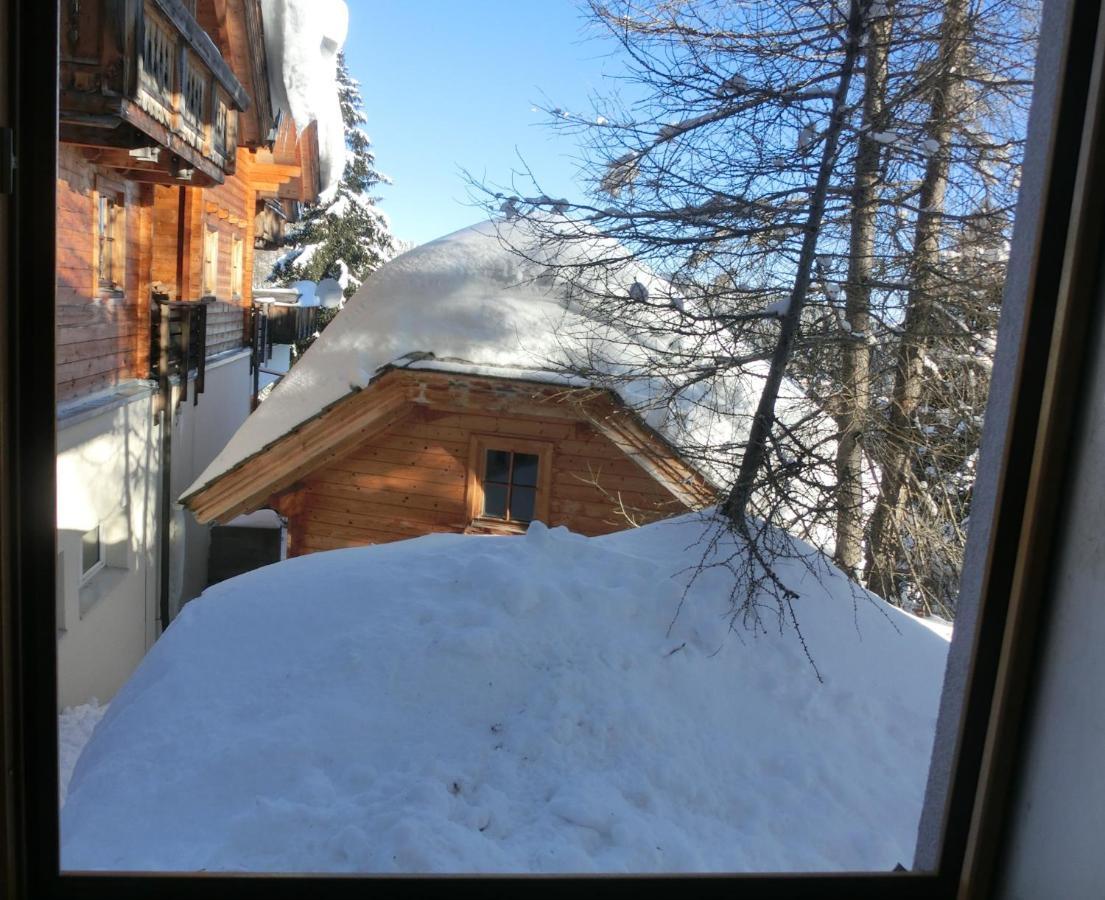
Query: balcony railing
(141, 80)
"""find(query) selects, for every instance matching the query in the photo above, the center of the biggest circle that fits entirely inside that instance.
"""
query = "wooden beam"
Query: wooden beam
(133, 114)
(341, 427)
(168, 168)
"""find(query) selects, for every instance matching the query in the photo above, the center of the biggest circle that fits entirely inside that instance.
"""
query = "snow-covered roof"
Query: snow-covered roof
(302, 40)
(469, 303)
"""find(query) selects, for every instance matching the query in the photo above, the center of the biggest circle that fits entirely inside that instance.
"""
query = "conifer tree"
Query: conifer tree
(347, 237)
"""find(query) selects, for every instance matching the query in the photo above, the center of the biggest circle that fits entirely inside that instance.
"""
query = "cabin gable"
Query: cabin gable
(422, 474)
(407, 456)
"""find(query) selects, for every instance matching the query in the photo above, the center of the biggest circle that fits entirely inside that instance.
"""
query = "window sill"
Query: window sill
(106, 580)
(496, 526)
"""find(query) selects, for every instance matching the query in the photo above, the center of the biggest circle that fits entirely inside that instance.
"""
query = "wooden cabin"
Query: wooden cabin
(419, 452)
(437, 440)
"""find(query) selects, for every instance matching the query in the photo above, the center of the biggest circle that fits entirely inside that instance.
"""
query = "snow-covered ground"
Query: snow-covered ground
(75, 725)
(471, 704)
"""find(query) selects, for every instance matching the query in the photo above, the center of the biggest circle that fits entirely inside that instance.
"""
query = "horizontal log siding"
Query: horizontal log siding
(410, 479)
(101, 337)
(229, 209)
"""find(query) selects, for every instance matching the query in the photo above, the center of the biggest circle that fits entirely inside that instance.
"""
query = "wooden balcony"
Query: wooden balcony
(147, 91)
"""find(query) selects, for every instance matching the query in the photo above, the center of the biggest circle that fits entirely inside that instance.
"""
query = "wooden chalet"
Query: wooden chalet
(435, 443)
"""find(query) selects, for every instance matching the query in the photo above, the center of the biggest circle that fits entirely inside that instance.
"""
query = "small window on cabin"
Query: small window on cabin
(210, 262)
(510, 485)
(110, 240)
(236, 266)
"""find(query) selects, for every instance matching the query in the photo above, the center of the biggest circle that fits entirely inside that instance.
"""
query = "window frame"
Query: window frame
(88, 574)
(237, 265)
(478, 446)
(210, 277)
(987, 747)
(114, 194)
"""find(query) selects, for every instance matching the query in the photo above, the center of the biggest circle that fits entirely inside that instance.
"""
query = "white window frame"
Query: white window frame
(210, 278)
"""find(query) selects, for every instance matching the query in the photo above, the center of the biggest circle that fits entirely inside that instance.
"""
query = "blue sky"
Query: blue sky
(451, 84)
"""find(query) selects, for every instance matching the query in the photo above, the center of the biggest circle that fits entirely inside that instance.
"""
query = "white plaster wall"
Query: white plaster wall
(199, 433)
(107, 473)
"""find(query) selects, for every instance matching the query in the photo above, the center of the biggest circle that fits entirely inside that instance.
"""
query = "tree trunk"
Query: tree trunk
(755, 453)
(855, 354)
(884, 542)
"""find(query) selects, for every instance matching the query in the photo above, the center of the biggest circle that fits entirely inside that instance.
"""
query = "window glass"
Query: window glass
(498, 466)
(522, 503)
(90, 550)
(525, 469)
(494, 499)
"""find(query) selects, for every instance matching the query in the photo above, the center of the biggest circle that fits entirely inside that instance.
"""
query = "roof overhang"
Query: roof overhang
(396, 392)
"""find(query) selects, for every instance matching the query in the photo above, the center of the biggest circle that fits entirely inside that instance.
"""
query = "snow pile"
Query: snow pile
(75, 726)
(471, 704)
(478, 307)
(302, 40)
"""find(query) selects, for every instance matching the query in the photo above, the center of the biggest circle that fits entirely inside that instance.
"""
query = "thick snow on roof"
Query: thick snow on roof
(545, 703)
(302, 40)
(480, 307)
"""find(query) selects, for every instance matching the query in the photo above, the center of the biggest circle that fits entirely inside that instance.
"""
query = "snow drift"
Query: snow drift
(524, 704)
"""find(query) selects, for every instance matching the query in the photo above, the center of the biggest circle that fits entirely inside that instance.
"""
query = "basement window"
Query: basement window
(92, 552)
(508, 483)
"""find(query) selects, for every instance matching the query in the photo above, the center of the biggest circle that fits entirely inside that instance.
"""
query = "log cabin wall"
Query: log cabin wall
(102, 334)
(228, 209)
(411, 480)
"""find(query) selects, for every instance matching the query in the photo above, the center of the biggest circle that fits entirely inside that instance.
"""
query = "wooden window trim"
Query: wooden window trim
(210, 279)
(115, 192)
(478, 445)
(237, 266)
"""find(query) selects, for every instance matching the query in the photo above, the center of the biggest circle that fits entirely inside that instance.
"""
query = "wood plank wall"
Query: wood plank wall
(410, 480)
(229, 209)
(101, 338)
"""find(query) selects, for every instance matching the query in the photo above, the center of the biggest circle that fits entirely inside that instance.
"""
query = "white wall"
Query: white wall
(199, 433)
(109, 473)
